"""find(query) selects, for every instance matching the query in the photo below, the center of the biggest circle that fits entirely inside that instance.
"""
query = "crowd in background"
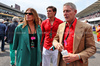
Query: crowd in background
(90, 16)
(3, 30)
(10, 13)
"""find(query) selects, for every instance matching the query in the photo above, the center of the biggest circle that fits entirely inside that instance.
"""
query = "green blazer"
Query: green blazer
(21, 44)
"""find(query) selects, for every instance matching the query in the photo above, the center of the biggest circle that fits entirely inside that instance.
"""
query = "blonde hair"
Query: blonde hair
(36, 18)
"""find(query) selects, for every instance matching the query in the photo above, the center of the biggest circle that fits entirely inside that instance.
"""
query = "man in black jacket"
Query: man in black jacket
(6, 23)
(10, 33)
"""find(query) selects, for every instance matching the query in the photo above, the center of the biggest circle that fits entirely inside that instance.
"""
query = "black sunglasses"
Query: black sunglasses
(28, 13)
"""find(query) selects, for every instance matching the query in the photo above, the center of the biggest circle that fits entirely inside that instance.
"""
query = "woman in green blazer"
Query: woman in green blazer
(27, 39)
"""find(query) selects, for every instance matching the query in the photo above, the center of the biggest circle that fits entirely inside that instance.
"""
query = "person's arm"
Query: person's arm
(43, 33)
(56, 43)
(90, 47)
(16, 38)
(7, 29)
(71, 57)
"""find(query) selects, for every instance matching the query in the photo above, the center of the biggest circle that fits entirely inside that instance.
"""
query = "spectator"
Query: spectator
(40, 21)
(49, 28)
(74, 37)
(27, 37)
(10, 33)
(2, 34)
(94, 28)
(7, 22)
(21, 21)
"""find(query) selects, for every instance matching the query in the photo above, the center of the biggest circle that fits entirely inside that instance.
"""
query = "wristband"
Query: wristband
(79, 56)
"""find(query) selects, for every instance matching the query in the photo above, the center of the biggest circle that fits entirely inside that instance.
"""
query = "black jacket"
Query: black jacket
(10, 31)
(6, 23)
(2, 29)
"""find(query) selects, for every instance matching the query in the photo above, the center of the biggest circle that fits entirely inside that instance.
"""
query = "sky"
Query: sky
(41, 5)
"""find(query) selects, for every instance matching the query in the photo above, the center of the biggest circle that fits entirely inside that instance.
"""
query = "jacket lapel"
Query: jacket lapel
(26, 37)
(77, 35)
(62, 32)
(38, 31)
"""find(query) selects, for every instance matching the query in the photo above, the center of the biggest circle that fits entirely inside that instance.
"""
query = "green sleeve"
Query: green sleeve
(38, 48)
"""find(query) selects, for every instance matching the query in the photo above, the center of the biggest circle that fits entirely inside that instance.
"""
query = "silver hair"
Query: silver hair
(70, 4)
(1, 20)
(15, 19)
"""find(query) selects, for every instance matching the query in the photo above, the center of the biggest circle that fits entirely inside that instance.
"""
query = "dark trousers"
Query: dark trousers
(2, 45)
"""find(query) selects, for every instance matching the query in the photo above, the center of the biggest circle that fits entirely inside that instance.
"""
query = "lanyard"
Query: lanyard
(32, 38)
(68, 30)
(50, 35)
(30, 29)
(51, 32)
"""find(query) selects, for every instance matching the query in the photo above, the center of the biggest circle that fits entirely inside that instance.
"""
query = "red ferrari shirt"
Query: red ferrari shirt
(47, 29)
(69, 45)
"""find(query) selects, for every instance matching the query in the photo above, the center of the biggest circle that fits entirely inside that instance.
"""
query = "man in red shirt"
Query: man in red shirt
(49, 28)
(74, 39)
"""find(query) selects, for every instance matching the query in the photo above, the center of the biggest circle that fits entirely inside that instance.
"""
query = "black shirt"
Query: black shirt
(35, 40)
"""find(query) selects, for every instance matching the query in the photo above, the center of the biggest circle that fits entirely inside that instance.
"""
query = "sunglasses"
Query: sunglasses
(28, 13)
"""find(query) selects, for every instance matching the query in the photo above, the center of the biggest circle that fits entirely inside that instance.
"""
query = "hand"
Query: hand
(5, 38)
(59, 47)
(70, 58)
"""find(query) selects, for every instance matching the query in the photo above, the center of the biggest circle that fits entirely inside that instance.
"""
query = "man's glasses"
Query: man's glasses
(28, 13)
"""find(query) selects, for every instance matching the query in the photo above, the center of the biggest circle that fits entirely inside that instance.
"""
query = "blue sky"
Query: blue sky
(41, 5)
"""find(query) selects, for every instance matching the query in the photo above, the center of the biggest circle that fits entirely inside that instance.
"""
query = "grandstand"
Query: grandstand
(42, 16)
(8, 12)
(91, 13)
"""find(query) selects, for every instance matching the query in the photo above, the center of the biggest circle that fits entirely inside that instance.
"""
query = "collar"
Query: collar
(48, 20)
(74, 23)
